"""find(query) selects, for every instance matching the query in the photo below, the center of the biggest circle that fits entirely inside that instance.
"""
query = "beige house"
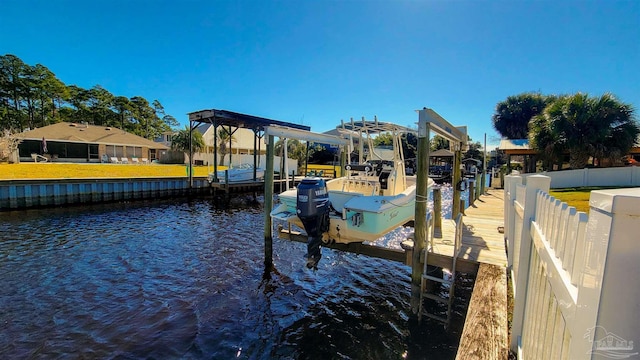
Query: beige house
(72, 142)
(242, 143)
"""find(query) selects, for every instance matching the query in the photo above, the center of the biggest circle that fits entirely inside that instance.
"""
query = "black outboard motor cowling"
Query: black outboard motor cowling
(312, 208)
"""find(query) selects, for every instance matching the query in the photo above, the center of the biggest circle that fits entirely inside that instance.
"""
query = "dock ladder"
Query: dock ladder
(451, 283)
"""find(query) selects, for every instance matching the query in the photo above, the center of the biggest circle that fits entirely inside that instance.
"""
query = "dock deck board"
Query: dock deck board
(485, 333)
(481, 240)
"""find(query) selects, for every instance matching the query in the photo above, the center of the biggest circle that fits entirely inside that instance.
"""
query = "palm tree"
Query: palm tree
(511, 117)
(225, 136)
(585, 127)
(623, 129)
(180, 141)
(542, 139)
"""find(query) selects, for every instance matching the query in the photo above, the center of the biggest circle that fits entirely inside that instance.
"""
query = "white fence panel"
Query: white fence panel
(620, 176)
(509, 210)
(520, 196)
(552, 288)
(577, 274)
(616, 177)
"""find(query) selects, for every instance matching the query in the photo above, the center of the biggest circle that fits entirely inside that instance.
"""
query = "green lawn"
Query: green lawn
(577, 197)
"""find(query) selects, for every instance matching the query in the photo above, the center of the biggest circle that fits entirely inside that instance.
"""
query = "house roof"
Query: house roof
(441, 153)
(82, 133)
(521, 147)
(472, 160)
(203, 127)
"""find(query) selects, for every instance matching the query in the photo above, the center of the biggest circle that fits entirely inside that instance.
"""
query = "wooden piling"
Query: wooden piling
(472, 193)
(268, 204)
(227, 190)
(483, 180)
(456, 178)
(343, 161)
(420, 222)
(437, 207)
(190, 170)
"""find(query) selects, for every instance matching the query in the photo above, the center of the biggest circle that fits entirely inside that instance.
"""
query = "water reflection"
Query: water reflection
(186, 279)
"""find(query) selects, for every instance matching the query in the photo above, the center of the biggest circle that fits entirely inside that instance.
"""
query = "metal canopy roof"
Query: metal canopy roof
(514, 144)
(224, 117)
(372, 127)
(304, 135)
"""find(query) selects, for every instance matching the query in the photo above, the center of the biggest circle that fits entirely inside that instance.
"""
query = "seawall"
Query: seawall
(23, 194)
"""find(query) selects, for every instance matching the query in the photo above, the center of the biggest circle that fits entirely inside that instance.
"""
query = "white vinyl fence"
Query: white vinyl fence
(614, 176)
(575, 278)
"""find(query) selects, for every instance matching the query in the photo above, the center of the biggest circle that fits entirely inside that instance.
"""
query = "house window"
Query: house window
(133, 151)
(113, 150)
(93, 151)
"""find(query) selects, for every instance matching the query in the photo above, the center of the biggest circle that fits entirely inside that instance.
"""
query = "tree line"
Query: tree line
(600, 129)
(32, 96)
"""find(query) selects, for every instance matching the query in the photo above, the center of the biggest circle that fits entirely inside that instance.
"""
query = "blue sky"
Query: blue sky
(317, 62)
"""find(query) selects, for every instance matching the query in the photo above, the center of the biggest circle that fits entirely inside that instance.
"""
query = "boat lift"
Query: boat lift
(428, 121)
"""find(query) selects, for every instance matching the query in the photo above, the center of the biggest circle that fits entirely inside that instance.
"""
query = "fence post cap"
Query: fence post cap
(616, 201)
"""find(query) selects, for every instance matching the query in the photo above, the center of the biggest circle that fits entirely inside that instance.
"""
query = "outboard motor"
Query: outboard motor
(313, 210)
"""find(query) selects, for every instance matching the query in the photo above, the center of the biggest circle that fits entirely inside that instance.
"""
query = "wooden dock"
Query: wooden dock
(483, 252)
(485, 332)
(246, 186)
(482, 242)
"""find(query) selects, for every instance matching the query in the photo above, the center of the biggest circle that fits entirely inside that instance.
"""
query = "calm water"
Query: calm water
(185, 279)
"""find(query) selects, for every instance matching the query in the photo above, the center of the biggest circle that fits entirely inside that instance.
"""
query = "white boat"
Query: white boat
(371, 200)
(239, 173)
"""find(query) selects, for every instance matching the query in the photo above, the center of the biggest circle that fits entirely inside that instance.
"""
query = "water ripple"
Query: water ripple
(186, 279)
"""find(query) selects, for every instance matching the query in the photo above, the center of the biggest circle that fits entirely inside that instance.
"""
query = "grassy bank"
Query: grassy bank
(578, 198)
(76, 171)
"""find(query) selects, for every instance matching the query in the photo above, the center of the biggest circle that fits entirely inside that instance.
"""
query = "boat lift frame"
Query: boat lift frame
(228, 120)
(428, 120)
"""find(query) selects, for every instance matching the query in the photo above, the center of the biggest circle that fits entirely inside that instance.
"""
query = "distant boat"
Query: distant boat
(440, 174)
(441, 179)
(239, 173)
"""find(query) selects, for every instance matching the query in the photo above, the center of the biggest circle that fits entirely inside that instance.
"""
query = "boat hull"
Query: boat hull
(239, 175)
(363, 218)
